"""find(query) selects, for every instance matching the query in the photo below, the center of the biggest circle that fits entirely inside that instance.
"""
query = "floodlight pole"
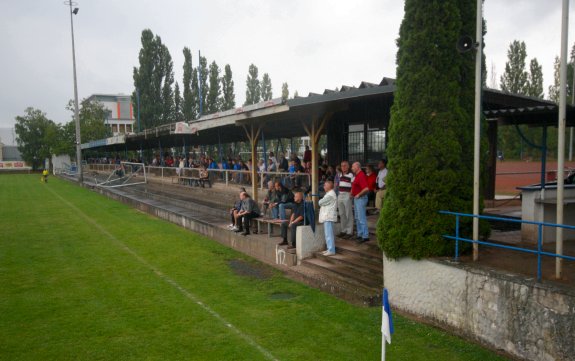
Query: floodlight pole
(76, 111)
(561, 137)
(477, 125)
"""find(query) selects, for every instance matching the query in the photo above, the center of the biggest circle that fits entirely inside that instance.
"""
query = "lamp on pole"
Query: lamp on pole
(74, 11)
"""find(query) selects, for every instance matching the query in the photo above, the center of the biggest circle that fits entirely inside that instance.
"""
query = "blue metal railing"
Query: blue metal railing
(539, 252)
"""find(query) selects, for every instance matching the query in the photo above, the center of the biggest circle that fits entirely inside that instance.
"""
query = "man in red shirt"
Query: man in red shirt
(359, 191)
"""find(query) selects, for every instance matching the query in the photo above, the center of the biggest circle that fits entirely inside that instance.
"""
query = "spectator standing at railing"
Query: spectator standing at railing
(381, 188)
(359, 191)
(345, 200)
(328, 216)
(283, 163)
(273, 159)
(371, 182)
(307, 154)
(212, 164)
(180, 169)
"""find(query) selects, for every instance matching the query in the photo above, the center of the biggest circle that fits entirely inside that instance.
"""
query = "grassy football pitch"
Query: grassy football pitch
(83, 277)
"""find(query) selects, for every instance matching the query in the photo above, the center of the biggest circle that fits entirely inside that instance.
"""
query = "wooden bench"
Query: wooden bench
(270, 223)
(193, 181)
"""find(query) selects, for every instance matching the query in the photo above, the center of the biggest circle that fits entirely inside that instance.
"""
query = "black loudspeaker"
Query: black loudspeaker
(465, 43)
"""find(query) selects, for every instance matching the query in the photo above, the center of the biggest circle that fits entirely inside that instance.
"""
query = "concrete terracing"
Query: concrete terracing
(354, 274)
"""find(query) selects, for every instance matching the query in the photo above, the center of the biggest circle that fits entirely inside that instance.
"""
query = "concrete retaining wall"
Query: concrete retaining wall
(263, 249)
(527, 319)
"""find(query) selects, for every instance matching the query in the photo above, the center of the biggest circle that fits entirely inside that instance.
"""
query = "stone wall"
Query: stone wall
(529, 320)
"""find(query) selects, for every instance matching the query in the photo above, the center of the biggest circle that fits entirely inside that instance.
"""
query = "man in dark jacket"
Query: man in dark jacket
(249, 210)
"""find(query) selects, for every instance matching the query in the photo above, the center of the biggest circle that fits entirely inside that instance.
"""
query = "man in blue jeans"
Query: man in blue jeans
(359, 191)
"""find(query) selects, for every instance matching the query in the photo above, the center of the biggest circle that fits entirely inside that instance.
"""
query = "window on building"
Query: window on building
(365, 143)
(355, 143)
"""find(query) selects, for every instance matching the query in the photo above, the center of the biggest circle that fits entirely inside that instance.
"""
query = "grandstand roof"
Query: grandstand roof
(285, 119)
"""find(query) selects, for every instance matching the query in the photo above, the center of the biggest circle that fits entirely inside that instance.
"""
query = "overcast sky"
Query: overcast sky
(310, 44)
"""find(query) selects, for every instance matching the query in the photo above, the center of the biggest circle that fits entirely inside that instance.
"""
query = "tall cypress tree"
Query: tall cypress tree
(178, 102)
(195, 94)
(285, 91)
(431, 130)
(213, 100)
(190, 101)
(229, 97)
(167, 98)
(266, 87)
(148, 77)
(253, 90)
(203, 83)
(535, 81)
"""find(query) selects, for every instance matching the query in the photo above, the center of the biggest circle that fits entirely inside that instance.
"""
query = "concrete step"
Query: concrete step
(351, 261)
(345, 273)
(351, 292)
(180, 201)
(364, 251)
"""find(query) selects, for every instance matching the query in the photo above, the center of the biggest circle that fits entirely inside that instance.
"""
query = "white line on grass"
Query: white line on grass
(167, 279)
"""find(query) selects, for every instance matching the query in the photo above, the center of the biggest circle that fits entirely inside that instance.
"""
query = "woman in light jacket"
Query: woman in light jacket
(328, 216)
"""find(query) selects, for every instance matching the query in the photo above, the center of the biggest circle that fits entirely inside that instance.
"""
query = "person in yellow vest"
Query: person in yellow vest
(45, 176)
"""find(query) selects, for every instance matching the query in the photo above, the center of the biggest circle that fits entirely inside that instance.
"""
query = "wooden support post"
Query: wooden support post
(314, 133)
(253, 133)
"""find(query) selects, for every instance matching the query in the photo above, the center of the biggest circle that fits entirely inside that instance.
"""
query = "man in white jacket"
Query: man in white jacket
(328, 216)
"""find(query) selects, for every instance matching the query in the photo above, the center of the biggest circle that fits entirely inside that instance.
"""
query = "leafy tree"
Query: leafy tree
(554, 89)
(515, 78)
(178, 102)
(296, 94)
(266, 87)
(92, 120)
(285, 91)
(36, 136)
(190, 101)
(65, 139)
(203, 84)
(213, 100)
(431, 162)
(253, 90)
(229, 97)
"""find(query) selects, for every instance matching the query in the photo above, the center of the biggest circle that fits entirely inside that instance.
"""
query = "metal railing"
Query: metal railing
(539, 251)
(226, 176)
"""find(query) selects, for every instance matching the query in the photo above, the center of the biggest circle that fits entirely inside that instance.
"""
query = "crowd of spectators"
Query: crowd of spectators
(347, 190)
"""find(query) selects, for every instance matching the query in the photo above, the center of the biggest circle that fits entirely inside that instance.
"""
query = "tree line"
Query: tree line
(205, 89)
(523, 79)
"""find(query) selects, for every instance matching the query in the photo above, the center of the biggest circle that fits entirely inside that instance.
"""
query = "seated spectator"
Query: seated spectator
(268, 198)
(234, 213)
(286, 199)
(296, 220)
(249, 210)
